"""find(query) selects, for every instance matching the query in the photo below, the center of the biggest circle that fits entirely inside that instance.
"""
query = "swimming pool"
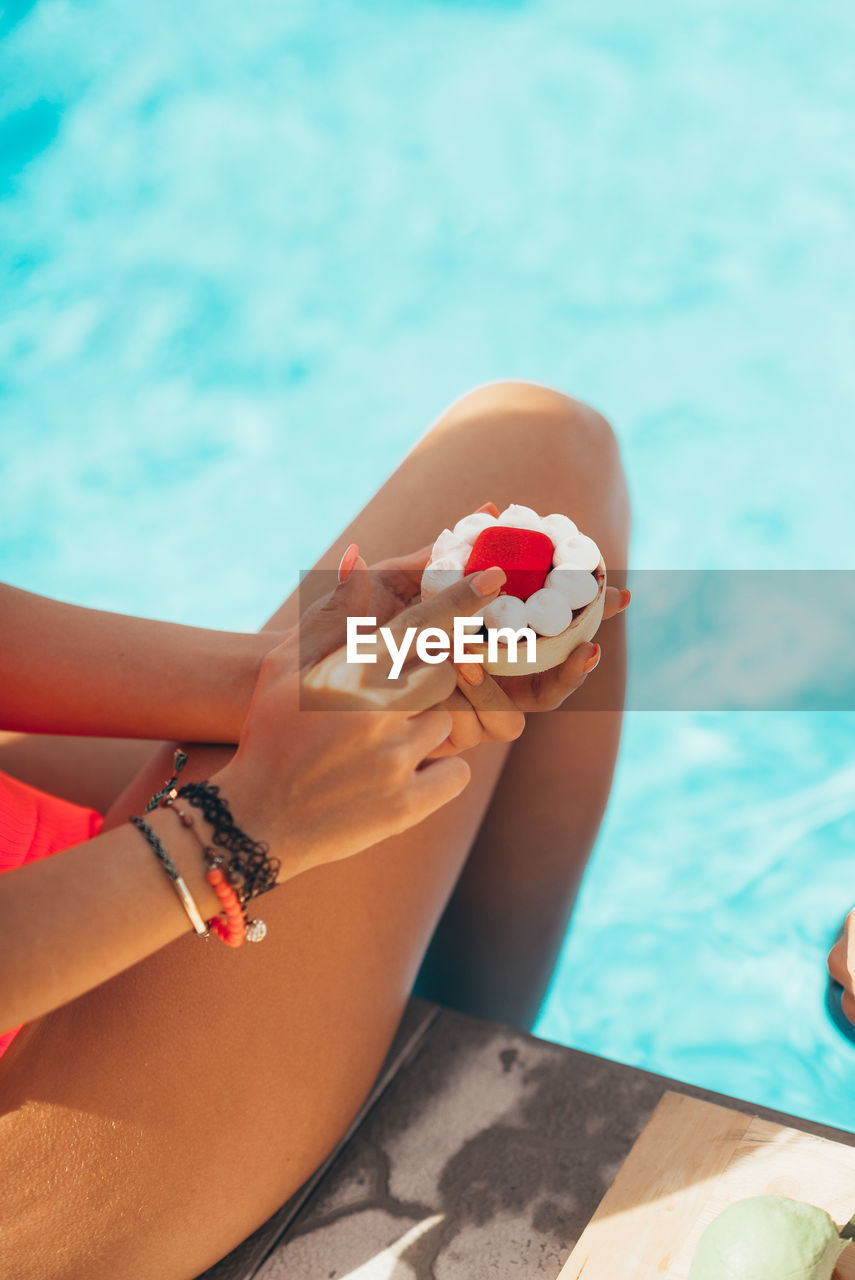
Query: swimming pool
(224, 241)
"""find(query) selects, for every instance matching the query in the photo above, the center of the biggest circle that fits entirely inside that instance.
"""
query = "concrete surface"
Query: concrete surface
(482, 1152)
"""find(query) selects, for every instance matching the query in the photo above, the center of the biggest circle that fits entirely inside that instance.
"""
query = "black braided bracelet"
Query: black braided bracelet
(250, 869)
(157, 847)
(187, 900)
(179, 760)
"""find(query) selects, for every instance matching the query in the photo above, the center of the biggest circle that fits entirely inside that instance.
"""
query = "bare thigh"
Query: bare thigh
(153, 1123)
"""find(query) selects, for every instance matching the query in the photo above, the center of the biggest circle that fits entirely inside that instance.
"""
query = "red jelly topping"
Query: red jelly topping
(524, 554)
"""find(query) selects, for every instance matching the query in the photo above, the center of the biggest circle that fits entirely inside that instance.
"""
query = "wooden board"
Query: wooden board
(690, 1162)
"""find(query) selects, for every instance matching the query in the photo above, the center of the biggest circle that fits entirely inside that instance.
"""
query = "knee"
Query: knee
(545, 437)
(541, 418)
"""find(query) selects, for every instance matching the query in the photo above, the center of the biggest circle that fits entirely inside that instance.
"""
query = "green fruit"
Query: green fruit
(768, 1238)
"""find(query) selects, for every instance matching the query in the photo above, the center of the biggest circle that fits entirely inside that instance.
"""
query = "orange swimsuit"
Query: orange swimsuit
(35, 825)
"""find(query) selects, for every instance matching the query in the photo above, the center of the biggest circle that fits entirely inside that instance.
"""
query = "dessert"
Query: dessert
(556, 581)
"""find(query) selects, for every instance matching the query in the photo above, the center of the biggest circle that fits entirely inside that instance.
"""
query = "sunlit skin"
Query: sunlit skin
(841, 966)
(151, 1122)
(340, 801)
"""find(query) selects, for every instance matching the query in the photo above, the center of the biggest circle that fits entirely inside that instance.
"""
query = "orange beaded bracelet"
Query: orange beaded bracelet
(232, 930)
(235, 929)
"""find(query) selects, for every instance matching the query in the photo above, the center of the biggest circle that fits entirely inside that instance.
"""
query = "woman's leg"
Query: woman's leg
(86, 771)
(153, 1123)
(495, 948)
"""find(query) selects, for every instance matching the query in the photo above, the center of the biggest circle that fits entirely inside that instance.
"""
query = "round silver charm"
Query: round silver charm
(256, 930)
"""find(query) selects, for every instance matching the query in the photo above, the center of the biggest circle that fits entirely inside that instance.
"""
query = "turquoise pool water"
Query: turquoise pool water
(244, 261)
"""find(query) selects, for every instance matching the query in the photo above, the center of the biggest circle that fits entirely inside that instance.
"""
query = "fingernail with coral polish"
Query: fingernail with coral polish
(591, 662)
(471, 672)
(625, 597)
(488, 581)
(489, 507)
(348, 560)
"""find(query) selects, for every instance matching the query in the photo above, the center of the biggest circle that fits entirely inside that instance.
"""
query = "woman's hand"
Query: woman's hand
(486, 708)
(335, 756)
(841, 966)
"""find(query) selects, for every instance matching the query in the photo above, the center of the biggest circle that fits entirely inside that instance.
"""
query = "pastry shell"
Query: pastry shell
(551, 650)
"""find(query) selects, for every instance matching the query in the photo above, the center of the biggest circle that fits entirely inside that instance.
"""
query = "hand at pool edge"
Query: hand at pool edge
(841, 966)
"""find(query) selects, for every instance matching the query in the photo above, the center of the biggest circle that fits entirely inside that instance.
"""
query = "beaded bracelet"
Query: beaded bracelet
(249, 864)
(236, 927)
(248, 873)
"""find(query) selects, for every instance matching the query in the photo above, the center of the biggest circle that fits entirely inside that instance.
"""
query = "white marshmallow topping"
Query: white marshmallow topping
(569, 585)
(505, 611)
(548, 612)
(577, 587)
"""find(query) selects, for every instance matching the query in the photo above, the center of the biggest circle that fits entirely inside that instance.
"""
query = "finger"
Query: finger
(348, 560)
(456, 701)
(837, 962)
(466, 729)
(551, 688)
(849, 943)
(500, 718)
(847, 1004)
(427, 731)
(616, 601)
(467, 732)
(438, 781)
(323, 627)
(461, 599)
(419, 687)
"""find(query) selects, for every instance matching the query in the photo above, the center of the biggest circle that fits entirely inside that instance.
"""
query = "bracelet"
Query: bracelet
(179, 760)
(236, 927)
(249, 868)
(187, 900)
(248, 873)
